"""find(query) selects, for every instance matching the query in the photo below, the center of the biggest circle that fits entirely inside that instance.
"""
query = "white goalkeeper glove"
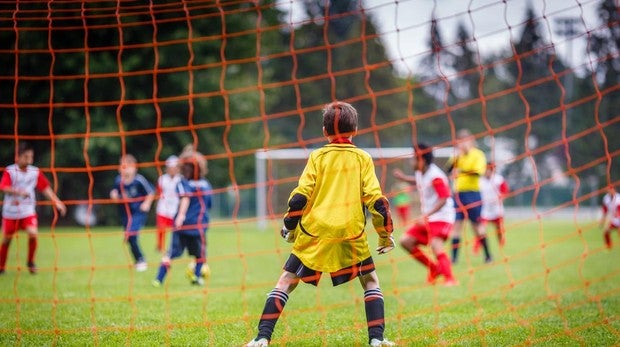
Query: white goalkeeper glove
(386, 244)
(288, 235)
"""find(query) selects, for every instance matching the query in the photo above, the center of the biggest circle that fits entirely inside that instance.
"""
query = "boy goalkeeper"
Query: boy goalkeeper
(325, 222)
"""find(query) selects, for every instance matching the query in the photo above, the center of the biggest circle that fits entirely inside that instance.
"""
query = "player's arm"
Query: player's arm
(477, 166)
(182, 212)
(145, 206)
(6, 185)
(400, 175)
(603, 219)
(60, 206)
(443, 193)
(379, 207)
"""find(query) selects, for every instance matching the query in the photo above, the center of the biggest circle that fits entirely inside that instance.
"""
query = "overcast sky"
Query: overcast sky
(404, 24)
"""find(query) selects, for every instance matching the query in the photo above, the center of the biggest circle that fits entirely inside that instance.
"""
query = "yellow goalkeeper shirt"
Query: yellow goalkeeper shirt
(469, 168)
(339, 181)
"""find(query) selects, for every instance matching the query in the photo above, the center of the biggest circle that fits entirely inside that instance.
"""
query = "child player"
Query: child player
(493, 189)
(611, 214)
(168, 202)
(325, 222)
(192, 219)
(136, 196)
(435, 224)
(19, 183)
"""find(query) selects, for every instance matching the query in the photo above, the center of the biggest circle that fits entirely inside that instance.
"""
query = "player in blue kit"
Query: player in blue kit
(136, 196)
(192, 219)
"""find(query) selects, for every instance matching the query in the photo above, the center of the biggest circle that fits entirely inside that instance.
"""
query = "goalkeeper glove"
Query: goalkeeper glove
(386, 244)
(288, 235)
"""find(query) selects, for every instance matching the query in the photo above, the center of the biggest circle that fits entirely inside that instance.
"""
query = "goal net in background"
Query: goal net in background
(86, 82)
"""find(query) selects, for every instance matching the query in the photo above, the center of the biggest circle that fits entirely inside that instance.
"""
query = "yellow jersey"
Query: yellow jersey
(339, 183)
(470, 167)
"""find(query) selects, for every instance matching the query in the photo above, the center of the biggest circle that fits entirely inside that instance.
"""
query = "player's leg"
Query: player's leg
(375, 309)
(196, 247)
(274, 305)
(9, 228)
(439, 233)
(30, 224)
(175, 251)
(136, 223)
(501, 231)
(163, 224)
(457, 230)
(607, 237)
(411, 240)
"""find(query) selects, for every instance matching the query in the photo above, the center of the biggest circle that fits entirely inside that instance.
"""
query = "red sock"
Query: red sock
(476, 245)
(608, 240)
(445, 267)
(32, 248)
(421, 257)
(4, 251)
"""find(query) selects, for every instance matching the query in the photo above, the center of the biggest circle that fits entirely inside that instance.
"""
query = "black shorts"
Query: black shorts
(310, 276)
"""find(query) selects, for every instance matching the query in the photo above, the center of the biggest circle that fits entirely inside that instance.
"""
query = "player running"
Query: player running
(435, 224)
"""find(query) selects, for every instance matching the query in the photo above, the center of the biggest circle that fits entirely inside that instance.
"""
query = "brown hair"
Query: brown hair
(340, 119)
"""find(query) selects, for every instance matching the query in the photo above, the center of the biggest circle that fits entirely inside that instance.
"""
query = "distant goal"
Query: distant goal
(274, 180)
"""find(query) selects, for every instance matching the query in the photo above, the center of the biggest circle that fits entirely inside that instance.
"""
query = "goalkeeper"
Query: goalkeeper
(325, 222)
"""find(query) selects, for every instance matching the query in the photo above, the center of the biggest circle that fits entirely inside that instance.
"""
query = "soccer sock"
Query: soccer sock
(421, 257)
(4, 251)
(135, 248)
(485, 247)
(445, 267)
(456, 243)
(163, 270)
(32, 248)
(373, 303)
(276, 300)
(608, 239)
(198, 269)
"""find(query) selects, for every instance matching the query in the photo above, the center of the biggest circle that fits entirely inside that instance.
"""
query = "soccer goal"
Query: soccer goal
(272, 178)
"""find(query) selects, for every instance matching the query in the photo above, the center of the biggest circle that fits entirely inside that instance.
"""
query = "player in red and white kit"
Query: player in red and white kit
(435, 224)
(610, 220)
(19, 182)
(493, 189)
(168, 202)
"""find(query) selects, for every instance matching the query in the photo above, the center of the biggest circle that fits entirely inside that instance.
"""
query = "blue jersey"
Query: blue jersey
(133, 193)
(197, 215)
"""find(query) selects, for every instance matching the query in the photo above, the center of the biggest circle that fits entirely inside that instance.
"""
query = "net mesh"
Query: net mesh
(87, 82)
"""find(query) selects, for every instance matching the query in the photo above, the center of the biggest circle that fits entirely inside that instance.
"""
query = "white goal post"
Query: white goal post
(262, 156)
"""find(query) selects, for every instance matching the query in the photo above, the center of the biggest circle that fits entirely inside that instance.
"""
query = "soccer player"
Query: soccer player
(610, 219)
(433, 227)
(325, 222)
(402, 202)
(19, 182)
(191, 221)
(493, 189)
(136, 196)
(168, 202)
(466, 168)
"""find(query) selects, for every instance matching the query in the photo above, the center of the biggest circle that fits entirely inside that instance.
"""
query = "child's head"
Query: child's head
(490, 169)
(465, 140)
(423, 157)
(128, 167)
(25, 155)
(172, 165)
(339, 119)
(193, 165)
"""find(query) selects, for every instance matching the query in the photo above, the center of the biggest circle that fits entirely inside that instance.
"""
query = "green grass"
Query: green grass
(553, 284)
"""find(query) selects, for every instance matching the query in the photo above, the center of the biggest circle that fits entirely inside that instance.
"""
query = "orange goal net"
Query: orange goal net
(244, 83)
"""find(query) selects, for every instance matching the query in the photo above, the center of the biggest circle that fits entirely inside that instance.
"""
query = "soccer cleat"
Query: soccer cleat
(198, 281)
(32, 268)
(488, 260)
(141, 266)
(262, 342)
(156, 283)
(381, 343)
(451, 283)
(2, 272)
(433, 273)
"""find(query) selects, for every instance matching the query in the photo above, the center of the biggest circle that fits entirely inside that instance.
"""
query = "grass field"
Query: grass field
(553, 284)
